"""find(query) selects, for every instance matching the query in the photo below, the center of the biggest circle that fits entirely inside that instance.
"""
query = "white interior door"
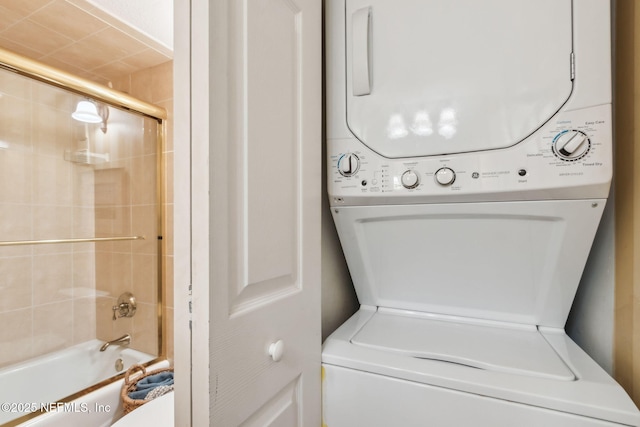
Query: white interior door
(255, 90)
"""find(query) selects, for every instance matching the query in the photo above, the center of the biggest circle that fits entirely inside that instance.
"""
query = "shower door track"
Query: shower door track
(87, 240)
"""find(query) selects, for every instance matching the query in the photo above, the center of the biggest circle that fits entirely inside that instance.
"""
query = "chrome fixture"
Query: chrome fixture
(123, 340)
(126, 306)
(88, 111)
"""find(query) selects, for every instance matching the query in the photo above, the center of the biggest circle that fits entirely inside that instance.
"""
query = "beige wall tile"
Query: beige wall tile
(83, 186)
(121, 273)
(16, 175)
(82, 54)
(144, 223)
(112, 187)
(84, 319)
(103, 271)
(114, 70)
(16, 283)
(162, 82)
(55, 62)
(16, 222)
(15, 123)
(84, 273)
(58, 15)
(8, 17)
(52, 278)
(113, 44)
(52, 327)
(52, 180)
(104, 318)
(66, 274)
(122, 326)
(24, 7)
(53, 222)
(83, 222)
(141, 85)
(122, 83)
(10, 44)
(145, 278)
(16, 336)
(37, 37)
(51, 131)
(15, 85)
(143, 180)
(145, 329)
(150, 139)
(56, 98)
(145, 59)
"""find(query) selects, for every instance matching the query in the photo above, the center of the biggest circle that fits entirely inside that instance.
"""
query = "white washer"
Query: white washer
(469, 146)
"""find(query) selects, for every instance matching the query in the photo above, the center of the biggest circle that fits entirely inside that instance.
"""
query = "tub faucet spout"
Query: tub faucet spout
(123, 340)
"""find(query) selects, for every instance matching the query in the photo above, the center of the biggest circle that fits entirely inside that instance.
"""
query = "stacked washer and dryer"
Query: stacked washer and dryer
(470, 160)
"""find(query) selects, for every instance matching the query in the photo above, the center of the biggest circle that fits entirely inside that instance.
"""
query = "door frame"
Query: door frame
(191, 210)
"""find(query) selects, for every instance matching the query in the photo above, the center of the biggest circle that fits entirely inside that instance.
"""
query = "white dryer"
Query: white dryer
(469, 146)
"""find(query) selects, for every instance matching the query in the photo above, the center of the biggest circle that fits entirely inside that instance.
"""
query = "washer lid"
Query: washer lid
(482, 345)
(452, 76)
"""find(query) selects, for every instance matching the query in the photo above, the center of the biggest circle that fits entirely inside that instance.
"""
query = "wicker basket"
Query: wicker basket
(129, 385)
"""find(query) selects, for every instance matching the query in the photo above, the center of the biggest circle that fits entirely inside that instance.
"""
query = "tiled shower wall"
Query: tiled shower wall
(54, 296)
(47, 291)
(126, 205)
(98, 52)
(155, 85)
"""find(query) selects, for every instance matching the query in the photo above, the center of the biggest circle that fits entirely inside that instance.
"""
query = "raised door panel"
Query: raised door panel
(268, 191)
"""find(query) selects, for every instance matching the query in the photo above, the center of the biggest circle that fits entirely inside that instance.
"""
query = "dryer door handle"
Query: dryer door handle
(360, 51)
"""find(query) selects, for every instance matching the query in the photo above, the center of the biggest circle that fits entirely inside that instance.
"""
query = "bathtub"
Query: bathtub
(43, 381)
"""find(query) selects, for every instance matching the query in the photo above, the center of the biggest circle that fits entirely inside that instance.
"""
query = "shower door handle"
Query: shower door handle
(360, 51)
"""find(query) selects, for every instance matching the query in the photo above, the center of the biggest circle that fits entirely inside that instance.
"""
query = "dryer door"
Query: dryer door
(452, 76)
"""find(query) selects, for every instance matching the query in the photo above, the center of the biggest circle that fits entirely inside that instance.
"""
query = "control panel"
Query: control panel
(569, 157)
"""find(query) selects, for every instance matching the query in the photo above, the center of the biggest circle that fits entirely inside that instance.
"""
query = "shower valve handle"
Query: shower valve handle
(126, 306)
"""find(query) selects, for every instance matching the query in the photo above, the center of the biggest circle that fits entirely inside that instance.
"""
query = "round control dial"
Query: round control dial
(410, 179)
(445, 176)
(571, 145)
(348, 164)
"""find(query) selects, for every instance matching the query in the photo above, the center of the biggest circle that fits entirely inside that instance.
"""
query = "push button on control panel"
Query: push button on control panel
(445, 176)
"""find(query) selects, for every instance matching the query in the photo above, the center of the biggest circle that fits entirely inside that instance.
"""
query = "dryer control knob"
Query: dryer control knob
(348, 164)
(445, 176)
(410, 179)
(571, 145)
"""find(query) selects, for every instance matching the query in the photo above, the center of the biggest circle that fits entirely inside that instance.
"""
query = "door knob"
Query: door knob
(276, 350)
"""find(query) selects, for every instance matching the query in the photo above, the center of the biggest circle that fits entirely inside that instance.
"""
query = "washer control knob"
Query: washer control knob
(445, 176)
(571, 145)
(348, 164)
(410, 179)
